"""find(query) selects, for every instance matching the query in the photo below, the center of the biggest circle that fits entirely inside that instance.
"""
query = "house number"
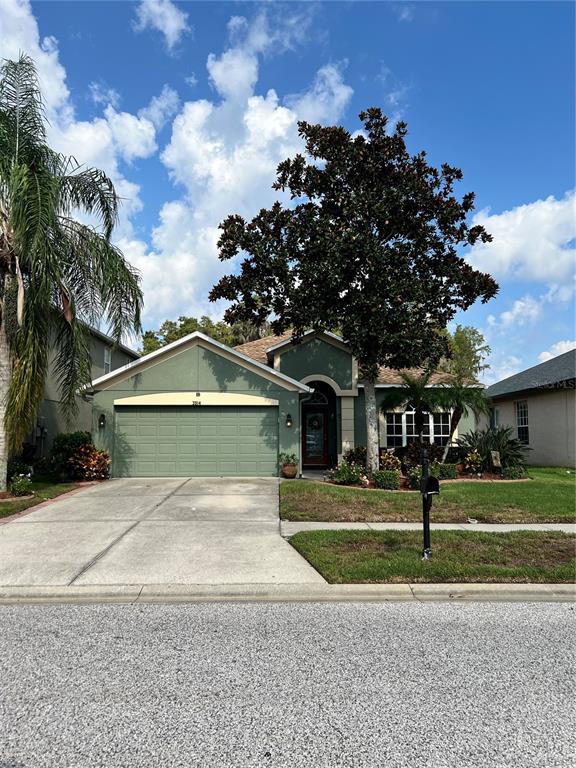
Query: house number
(196, 402)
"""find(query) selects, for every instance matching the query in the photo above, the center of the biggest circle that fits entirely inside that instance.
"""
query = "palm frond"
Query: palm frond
(22, 105)
(90, 190)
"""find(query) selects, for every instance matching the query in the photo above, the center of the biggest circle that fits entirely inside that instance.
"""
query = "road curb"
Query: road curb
(197, 593)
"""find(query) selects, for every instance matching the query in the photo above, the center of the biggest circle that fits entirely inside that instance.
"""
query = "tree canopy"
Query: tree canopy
(56, 273)
(370, 243)
(172, 330)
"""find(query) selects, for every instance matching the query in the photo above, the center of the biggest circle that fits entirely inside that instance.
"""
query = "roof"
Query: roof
(127, 370)
(103, 337)
(546, 375)
(259, 348)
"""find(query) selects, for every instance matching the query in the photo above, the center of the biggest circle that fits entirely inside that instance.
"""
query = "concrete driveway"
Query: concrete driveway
(155, 531)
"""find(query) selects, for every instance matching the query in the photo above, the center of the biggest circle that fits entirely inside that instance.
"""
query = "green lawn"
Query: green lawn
(548, 497)
(346, 557)
(42, 492)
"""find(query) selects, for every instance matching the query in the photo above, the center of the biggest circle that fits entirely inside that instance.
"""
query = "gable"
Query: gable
(196, 363)
(318, 357)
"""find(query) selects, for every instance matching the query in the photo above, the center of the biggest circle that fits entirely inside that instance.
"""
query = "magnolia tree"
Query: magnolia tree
(369, 245)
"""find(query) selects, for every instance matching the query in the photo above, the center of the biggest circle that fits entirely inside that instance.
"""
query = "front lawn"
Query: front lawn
(549, 497)
(346, 557)
(42, 492)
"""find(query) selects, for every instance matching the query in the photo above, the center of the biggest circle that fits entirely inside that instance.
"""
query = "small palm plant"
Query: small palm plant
(56, 274)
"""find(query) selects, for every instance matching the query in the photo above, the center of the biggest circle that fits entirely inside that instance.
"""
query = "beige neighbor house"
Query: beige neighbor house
(106, 357)
(539, 404)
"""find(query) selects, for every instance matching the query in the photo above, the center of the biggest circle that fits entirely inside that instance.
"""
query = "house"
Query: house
(106, 356)
(198, 407)
(539, 404)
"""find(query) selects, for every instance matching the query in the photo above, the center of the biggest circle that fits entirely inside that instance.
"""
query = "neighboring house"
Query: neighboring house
(539, 404)
(197, 407)
(106, 357)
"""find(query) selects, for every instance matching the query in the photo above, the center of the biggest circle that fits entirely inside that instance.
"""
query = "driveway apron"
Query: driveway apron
(155, 531)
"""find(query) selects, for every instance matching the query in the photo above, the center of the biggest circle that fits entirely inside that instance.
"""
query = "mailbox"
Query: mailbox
(430, 486)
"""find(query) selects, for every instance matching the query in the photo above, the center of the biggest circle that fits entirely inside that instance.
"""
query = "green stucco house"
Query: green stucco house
(197, 407)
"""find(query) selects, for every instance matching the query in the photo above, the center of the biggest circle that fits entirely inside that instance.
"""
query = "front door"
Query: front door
(315, 437)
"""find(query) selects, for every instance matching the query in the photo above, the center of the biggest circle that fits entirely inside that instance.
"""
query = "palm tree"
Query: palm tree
(56, 274)
(461, 398)
(417, 392)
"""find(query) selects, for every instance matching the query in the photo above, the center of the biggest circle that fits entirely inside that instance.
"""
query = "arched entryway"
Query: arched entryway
(319, 430)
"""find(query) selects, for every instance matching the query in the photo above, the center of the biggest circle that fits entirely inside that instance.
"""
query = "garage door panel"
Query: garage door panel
(207, 441)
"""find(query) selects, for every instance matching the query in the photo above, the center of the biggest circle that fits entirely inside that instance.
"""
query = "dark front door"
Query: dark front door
(315, 437)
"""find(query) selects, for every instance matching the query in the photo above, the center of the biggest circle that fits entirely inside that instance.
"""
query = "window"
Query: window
(441, 428)
(394, 430)
(401, 429)
(522, 420)
(494, 417)
(107, 359)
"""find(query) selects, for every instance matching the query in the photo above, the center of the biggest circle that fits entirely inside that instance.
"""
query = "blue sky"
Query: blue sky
(190, 106)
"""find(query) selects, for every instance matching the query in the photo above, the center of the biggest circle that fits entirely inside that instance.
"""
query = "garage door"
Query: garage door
(203, 441)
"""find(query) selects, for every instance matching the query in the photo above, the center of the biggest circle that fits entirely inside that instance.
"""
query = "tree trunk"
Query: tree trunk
(5, 376)
(454, 421)
(372, 441)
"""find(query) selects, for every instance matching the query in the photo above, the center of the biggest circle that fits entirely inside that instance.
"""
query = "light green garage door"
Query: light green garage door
(203, 441)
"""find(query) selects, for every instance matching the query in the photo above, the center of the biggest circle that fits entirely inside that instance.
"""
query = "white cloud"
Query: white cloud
(531, 242)
(224, 153)
(524, 311)
(501, 367)
(161, 107)
(405, 12)
(163, 16)
(557, 349)
(102, 142)
(100, 93)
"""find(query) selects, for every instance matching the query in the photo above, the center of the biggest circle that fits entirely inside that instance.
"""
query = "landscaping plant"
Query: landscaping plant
(388, 479)
(513, 453)
(348, 473)
(88, 463)
(57, 273)
(21, 486)
(370, 241)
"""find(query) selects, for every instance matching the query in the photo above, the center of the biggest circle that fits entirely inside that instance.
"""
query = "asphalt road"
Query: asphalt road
(288, 685)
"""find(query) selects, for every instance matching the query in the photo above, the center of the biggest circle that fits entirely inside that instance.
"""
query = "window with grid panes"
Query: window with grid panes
(441, 428)
(411, 435)
(394, 430)
(522, 420)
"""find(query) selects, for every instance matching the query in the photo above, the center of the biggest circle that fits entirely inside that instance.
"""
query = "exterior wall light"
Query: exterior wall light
(288, 420)
(102, 421)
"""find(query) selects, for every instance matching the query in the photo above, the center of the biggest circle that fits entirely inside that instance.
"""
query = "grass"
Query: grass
(42, 492)
(346, 557)
(549, 497)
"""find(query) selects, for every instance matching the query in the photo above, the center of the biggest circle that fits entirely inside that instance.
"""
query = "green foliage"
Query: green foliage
(348, 473)
(387, 478)
(288, 459)
(56, 274)
(468, 350)
(514, 473)
(389, 462)
(231, 335)
(21, 486)
(413, 453)
(63, 448)
(513, 453)
(417, 393)
(356, 455)
(447, 472)
(414, 477)
(88, 463)
(17, 466)
(473, 462)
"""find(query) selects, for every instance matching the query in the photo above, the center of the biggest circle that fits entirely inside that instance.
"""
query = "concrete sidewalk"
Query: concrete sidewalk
(289, 528)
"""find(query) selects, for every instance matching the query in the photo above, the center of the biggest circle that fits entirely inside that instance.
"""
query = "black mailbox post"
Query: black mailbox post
(429, 487)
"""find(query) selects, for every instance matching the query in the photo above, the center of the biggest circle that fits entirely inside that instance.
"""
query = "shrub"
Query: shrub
(348, 473)
(288, 458)
(513, 473)
(390, 462)
(88, 463)
(21, 486)
(414, 477)
(356, 455)
(17, 466)
(387, 478)
(473, 462)
(413, 455)
(447, 471)
(64, 446)
(512, 452)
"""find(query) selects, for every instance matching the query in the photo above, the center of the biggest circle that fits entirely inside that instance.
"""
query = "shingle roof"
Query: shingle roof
(546, 375)
(257, 351)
